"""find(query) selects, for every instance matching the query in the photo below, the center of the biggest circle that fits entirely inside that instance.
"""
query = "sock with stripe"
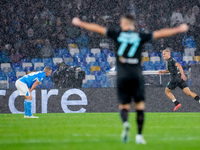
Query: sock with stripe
(175, 102)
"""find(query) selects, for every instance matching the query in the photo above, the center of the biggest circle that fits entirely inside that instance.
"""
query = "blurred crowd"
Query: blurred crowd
(35, 28)
(156, 14)
(30, 29)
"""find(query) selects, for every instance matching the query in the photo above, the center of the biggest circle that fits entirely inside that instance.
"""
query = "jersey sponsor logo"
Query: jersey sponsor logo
(128, 60)
(128, 38)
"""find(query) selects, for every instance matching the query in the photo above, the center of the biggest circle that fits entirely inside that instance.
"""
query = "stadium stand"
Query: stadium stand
(20, 74)
(154, 58)
(95, 50)
(187, 58)
(57, 60)
(73, 51)
(38, 64)
(197, 58)
(27, 64)
(75, 48)
(189, 51)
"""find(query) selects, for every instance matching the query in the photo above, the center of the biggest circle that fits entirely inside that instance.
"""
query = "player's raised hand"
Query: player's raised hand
(183, 27)
(76, 21)
(89, 26)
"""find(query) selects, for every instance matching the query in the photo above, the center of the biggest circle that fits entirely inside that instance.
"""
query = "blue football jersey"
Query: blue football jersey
(29, 79)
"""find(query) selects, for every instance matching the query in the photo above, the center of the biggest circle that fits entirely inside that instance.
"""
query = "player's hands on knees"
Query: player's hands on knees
(183, 77)
(30, 92)
(76, 21)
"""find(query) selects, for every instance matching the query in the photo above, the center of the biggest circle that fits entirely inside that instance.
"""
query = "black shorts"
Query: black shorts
(177, 82)
(130, 88)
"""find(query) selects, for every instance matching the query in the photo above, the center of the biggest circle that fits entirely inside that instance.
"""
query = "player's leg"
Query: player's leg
(26, 115)
(171, 86)
(28, 107)
(169, 93)
(139, 104)
(187, 91)
(24, 91)
(124, 107)
(124, 110)
(139, 107)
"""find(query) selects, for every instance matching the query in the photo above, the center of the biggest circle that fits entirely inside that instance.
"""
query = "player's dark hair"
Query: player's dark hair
(130, 18)
(47, 69)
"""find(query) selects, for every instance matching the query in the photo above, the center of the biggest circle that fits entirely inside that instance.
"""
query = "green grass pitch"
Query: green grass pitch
(98, 131)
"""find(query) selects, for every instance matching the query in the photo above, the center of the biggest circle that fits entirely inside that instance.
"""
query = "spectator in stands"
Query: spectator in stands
(25, 53)
(58, 21)
(30, 33)
(160, 45)
(184, 11)
(15, 56)
(37, 27)
(47, 49)
(79, 3)
(3, 54)
(72, 32)
(188, 41)
(59, 36)
(83, 40)
(132, 7)
(189, 18)
(163, 19)
(36, 22)
(148, 47)
(141, 22)
(47, 16)
(176, 18)
(196, 28)
(32, 49)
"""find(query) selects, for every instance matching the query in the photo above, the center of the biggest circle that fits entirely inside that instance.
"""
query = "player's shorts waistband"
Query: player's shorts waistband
(128, 60)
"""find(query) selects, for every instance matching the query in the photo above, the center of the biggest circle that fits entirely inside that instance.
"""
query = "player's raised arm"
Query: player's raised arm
(89, 26)
(35, 84)
(168, 32)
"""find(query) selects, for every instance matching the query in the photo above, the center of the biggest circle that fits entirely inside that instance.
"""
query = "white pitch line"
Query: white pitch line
(96, 135)
(180, 139)
(38, 141)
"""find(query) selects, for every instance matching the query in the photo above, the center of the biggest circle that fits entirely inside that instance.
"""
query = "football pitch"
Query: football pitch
(98, 131)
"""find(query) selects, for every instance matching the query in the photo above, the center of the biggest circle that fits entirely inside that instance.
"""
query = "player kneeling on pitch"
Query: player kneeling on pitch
(26, 84)
(177, 79)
